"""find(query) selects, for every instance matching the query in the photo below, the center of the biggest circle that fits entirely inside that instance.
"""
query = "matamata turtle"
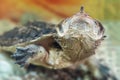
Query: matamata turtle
(54, 46)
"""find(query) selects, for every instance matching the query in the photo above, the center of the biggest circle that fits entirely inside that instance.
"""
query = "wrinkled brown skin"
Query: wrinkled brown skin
(76, 39)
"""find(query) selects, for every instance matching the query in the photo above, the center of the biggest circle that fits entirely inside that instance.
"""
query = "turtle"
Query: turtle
(54, 46)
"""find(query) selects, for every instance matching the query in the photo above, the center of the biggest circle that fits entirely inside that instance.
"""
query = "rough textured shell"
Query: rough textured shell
(26, 34)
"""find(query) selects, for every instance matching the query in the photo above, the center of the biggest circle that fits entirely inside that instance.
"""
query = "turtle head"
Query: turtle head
(80, 34)
(80, 23)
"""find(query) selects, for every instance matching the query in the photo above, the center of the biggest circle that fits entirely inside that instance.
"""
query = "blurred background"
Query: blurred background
(17, 12)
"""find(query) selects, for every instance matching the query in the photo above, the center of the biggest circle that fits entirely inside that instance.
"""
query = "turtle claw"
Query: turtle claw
(22, 54)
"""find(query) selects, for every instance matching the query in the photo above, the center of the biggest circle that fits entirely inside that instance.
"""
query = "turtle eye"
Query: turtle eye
(100, 26)
(60, 28)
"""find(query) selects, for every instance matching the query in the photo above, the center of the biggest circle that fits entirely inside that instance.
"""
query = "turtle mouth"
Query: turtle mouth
(57, 45)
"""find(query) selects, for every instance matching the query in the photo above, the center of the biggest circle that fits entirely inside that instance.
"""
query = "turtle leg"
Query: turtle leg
(22, 54)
